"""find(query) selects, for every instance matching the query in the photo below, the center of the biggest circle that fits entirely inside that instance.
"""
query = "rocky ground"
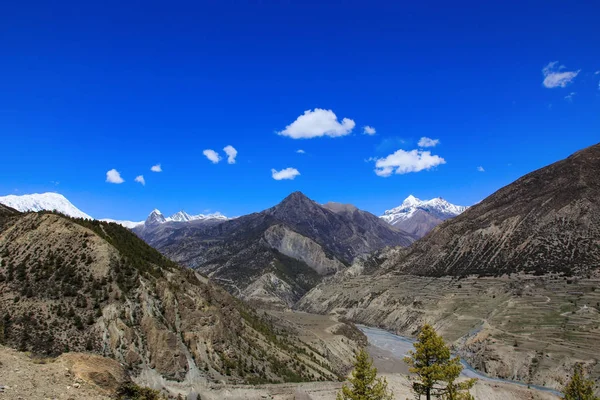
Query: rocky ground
(70, 376)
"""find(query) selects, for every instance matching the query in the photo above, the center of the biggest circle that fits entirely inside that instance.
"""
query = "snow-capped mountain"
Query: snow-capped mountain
(156, 217)
(421, 216)
(126, 224)
(43, 202)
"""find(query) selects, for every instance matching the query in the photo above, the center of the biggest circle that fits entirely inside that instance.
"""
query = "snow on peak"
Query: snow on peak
(126, 224)
(181, 216)
(43, 202)
(438, 207)
(156, 217)
(411, 201)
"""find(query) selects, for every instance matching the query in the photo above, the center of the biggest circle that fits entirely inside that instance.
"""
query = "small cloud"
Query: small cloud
(140, 179)
(317, 123)
(556, 76)
(287, 173)
(156, 168)
(300, 151)
(369, 130)
(113, 176)
(231, 154)
(569, 97)
(480, 169)
(55, 183)
(212, 155)
(597, 73)
(403, 162)
(428, 142)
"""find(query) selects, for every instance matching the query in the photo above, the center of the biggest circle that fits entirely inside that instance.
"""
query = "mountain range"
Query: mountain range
(273, 257)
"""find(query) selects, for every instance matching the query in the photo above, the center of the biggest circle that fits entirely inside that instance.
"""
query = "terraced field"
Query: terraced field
(523, 327)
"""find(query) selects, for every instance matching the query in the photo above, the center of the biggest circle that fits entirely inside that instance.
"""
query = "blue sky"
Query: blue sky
(90, 87)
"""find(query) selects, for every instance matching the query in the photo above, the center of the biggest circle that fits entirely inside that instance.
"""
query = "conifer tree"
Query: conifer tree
(436, 370)
(579, 388)
(364, 381)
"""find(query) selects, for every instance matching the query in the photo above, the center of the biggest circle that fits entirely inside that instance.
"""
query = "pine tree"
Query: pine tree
(364, 381)
(578, 387)
(435, 369)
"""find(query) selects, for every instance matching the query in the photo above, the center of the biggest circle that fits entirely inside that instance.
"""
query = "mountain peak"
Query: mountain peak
(295, 199)
(180, 216)
(411, 201)
(155, 218)
(49, 201)
(420, 216)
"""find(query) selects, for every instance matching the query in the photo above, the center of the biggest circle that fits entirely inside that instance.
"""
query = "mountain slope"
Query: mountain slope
(419, 217)
(43, 202)
(546, 221)
(81, 285)
(512, 281)
(275, 256)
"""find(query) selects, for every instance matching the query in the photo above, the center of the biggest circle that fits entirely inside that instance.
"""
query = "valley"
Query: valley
(265, 305)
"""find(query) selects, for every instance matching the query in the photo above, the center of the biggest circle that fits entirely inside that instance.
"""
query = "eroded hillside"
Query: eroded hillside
(77, 285)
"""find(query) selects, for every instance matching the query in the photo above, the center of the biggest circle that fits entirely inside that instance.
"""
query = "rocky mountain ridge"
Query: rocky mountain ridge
(275, 256)
(547, 221)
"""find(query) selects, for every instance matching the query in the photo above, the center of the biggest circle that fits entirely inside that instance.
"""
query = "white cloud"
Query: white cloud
(212, 155)
(403, 162)
(140, 179)
(113, 176)
(156, 168)
(317, 123)
(231, 154)
(555, 76)
(287, 173)
(569, 97)
(369, 130)
(428, 142)
(300, 151)
(597, 73)
(480, 169)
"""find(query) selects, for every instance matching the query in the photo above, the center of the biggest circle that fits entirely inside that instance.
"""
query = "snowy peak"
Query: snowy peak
(43, 202)
(181, 216)
(155, 218)
(411, 201)
(420, 216)
(126, 224)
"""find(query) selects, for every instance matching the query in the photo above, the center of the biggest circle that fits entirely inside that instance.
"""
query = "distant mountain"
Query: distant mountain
(43, 202)
(126, 224)
(546, 221)
(419, 217)
(275, 256)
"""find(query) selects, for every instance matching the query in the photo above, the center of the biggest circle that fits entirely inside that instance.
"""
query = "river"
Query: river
(399, 346)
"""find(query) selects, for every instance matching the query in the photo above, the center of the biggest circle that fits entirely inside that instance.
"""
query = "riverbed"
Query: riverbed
(399, 346)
